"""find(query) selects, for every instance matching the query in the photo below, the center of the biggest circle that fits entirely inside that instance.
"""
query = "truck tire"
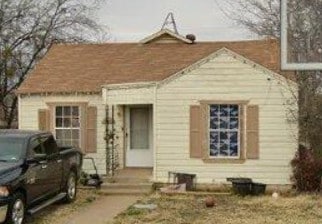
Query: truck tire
(17, 209)
(70, 188)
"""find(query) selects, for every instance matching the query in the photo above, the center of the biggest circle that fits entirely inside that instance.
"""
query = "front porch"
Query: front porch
(130, 120)
(133, 175)
(129, 181)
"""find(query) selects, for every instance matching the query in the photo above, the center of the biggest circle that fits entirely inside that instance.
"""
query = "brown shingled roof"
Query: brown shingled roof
(86, 67)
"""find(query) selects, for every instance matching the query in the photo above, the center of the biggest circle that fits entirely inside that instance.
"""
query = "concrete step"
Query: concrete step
(126, 188)
(124, 191)
(116, 185)
(126, 179)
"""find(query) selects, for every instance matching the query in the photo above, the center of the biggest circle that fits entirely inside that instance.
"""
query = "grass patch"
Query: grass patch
(231, 209)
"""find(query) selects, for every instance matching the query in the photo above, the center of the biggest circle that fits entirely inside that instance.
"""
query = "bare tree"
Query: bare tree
(304, 37)
(28, 28)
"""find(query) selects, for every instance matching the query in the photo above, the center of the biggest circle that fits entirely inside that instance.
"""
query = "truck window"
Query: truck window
(50, 145)
(11, 149)
(35, 147)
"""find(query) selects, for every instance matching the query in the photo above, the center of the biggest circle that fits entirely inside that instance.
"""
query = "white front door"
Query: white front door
(139, 151)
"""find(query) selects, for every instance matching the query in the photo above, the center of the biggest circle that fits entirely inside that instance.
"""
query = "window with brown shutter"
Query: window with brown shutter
(218, 132)
(252, 132)
(70, 123)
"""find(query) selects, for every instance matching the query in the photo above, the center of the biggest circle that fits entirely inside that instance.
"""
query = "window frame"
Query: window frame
(69, 128)
(83, 111)
(227, 130)
(205, 106)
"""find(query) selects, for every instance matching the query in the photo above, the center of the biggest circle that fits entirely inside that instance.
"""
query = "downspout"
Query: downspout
(155, 134)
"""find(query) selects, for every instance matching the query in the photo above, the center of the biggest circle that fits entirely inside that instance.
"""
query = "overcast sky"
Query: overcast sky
(132, 20)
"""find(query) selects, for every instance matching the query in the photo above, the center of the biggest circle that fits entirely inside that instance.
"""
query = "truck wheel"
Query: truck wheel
(71, 188)
(17, 209)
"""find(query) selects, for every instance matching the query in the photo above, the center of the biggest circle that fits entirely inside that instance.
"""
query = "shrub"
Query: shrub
(307, 169)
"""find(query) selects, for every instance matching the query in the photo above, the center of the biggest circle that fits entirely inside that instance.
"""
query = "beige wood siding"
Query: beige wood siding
(226, 78)
(28, 119)
(142, 95)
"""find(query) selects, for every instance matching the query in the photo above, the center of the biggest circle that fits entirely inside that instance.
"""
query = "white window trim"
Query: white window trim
(71, 128)
(238, 133)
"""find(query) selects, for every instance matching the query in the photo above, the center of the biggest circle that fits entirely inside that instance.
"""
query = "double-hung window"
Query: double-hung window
(224, 131)
(67, 125)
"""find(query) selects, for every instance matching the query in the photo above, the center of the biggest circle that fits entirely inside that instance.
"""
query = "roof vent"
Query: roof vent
(191, 37)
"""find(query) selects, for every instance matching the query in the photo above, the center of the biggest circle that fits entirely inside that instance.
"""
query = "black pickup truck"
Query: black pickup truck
(34, 173)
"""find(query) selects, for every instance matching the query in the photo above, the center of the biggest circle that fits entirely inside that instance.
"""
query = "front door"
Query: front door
(139, 152)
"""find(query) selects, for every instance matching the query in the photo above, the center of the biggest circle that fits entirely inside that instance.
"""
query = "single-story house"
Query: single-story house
(214, 109)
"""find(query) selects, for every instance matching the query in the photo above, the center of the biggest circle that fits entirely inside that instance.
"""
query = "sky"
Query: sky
(133, 20)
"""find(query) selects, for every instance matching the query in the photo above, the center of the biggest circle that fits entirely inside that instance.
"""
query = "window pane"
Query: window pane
(214, 109)
(234, 110)
(223, 151)
(214, 137)
(234, 149)
(233, 136)
(59, 122)
(75, 122)
(67, 134)
(75, 143)
(75, 134)
(224, 110)
(59, 134)
(67, 111)
(67, 122)
(139, 128)
(59, 111)
(224, 123)
(66, 142)
(75, 111)
(214, 123)
(214, 146)
(35, 147)
(50, 145)
(233, 124)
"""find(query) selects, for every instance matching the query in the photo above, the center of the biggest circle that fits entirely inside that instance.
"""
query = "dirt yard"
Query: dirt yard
(59, 211)
(229, 209)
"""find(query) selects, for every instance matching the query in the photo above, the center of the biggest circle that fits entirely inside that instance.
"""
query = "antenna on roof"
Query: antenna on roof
(169, 20)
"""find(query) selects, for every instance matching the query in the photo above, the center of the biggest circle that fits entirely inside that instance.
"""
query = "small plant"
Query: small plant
(307, 169)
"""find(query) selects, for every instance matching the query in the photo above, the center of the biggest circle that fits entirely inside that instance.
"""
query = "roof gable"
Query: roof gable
(232, 54)
(165, 36)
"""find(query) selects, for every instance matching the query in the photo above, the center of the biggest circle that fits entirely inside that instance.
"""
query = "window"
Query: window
(11, 148)
(223, 126)
(35, 147)
(67, 125)
(139, 128)
(49, 145)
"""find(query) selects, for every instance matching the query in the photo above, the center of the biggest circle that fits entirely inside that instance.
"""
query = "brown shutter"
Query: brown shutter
(90, 135)
(252, 132)
(242, 130)
(44, 120)
(195, 132)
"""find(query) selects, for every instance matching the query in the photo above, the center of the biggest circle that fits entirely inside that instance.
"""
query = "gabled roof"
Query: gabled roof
(165, 32)
(86, 67)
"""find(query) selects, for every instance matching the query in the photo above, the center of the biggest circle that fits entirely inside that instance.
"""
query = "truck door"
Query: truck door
(36, 176)
(54, 164)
